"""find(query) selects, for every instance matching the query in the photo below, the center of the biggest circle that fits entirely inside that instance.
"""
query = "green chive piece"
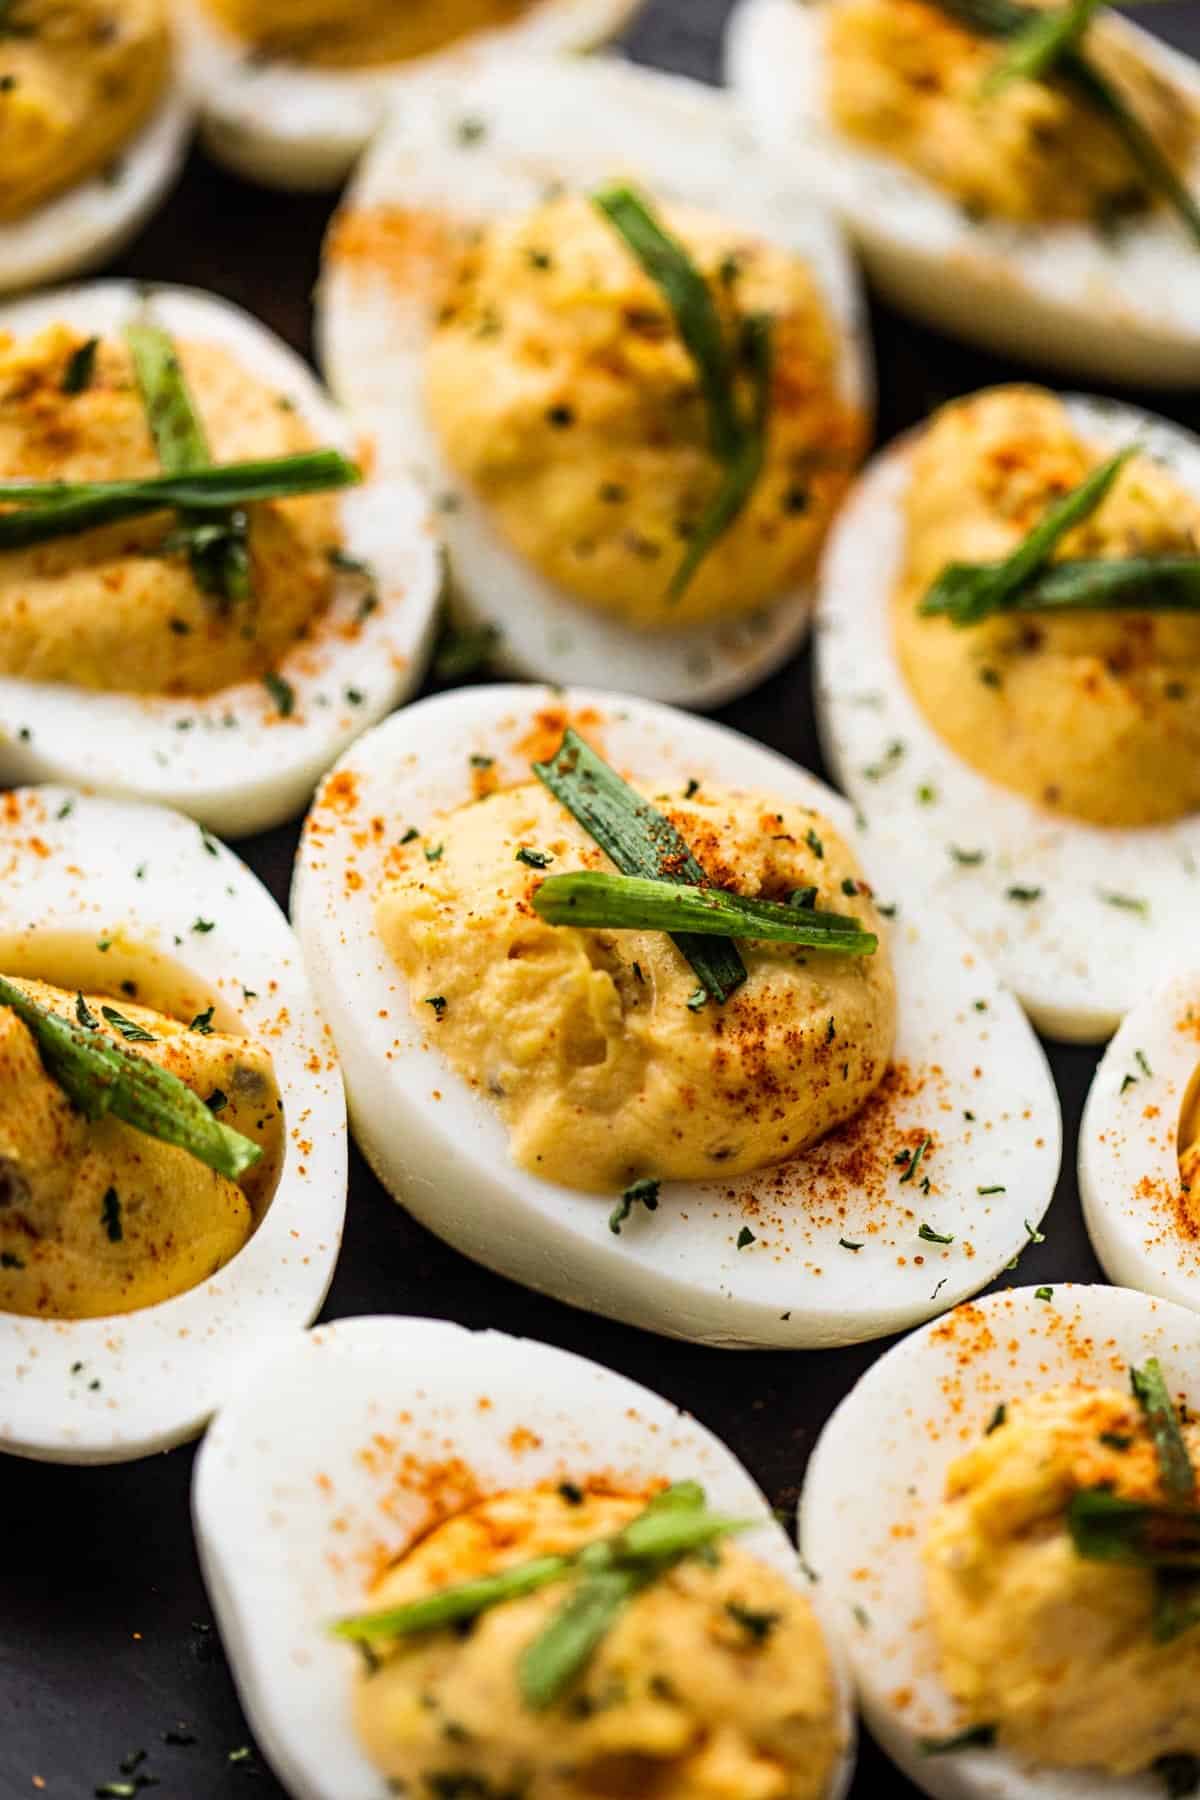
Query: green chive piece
(81, 364)
(448, 1605)
(1174, 1462)
(1124, 583)
(1105, 1528)
(975, 1737)
(641, 842)
(555, 1657)
(1038, 46)
(132, 1032)
(592, 900)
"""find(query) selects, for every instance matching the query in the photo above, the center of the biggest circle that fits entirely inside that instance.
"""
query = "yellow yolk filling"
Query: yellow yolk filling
(343, 33)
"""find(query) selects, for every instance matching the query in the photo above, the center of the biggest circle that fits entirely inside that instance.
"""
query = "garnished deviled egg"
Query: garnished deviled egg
(623, 354)
(1008, 679)
(172, 1129)
(1014, 1580)
(392, 1465)
(1139, 1146)
(93, 128)
(809, 1140)
(291, 93)
(1038, 194)
(215, 658)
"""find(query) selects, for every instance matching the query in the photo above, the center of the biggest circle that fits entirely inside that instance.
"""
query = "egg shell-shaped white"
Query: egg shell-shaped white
(1129, 1143)
(1120, 308)
(877, 1476)
(90, 222)
(440, 1147)
(1117, 909)
(304, 127)
(80, 872)
(230, 758)
(534, 124)
(315, 1470)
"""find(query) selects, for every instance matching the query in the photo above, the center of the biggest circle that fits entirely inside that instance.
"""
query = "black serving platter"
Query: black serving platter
(107, 1647)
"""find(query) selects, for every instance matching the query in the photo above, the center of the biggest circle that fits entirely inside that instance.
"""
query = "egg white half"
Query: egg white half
(534, 124)
(440, 1147)
(1121, 309)
(1080, 955)
(230, 758)
(91, 221)
(1129, 1174)
(317, 1464)
(920, 1406)
(300, 127)
(81, 872)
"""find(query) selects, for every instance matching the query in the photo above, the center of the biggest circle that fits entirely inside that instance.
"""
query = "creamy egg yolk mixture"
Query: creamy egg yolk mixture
(347, 33)
(713, 1684)
(561, 391)
(1056, 1651)
(585, 1040)
(1189, 1147)
(910, 82)
(107, 608)
(78, 78)
(97, 1218)
(1096, 715)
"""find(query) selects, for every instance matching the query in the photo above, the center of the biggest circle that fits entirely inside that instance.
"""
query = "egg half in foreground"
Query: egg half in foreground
(370, 1434)
(458, 1014)
(139, 912)
(1010, 216)
(491, 330)
(118, 669)
(94, 128)
(955, 1565)
(291, 95)
(1139, 1146)
(1036, 774)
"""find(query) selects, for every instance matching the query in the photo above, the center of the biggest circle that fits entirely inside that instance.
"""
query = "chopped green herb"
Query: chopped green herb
(640, 1193)
(845, 1244)
(534, 859)
(110, 1216)
(995, 1189)
(912, 1161)
(1024, 895)
(81, 364)
(928, 1235)
(136, 1034)
(438, 1003)
(757, 1625)
(745, 1238)
(282, 693)
(998, 1418)
(1043, 1293)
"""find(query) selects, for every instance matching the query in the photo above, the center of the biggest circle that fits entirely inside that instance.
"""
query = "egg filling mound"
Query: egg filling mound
(561, 390)
(713, 1681)
(913, 83)
(78, 78)
(1092, 714)
(97, 1217)
(117, 607)
(348, 35)
(605, 1061)
(1055, 1652)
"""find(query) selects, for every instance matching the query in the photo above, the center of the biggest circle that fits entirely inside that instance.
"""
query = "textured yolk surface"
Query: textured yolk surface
(346, 33)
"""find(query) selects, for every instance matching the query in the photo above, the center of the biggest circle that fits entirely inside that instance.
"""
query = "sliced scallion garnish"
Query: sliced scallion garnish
(1174, 1461)
(593, 900)
(1106, 1528)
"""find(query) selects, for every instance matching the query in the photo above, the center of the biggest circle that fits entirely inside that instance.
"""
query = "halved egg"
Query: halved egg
(953, 1568)
(1036, 774)
(94, 130)
(1139, 1146)
(118, 670)
(381, 1453)
(493, 333)
(845, 1146)
(1012, 216)
(290, 95)
(135, 1281)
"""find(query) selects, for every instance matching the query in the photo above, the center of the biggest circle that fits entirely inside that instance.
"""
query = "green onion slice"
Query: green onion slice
(593, 900)
(1174, 1461)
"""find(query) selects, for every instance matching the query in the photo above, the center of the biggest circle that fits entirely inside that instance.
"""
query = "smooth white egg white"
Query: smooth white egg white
(972, 1074)
(1129, 1175)
(1114, 910)
(1124, 308)
(318, 1464)
(493, 146)
(232, 758)
(91, 221)
(878, 1474)
(304, 127)
(97, 892)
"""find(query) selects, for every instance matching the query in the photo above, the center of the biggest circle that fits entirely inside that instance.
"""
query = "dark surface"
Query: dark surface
(105, 1641)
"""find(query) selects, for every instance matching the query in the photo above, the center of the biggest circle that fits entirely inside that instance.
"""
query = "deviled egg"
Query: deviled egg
(379, 1468)
(1139, 1146)
(291, 93)
(172, 1129)
(1015, 1582)
(216, 660)
(1018, 727)
(1052, 215)
(785, 1143)
(94, 130)
(624, 356)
